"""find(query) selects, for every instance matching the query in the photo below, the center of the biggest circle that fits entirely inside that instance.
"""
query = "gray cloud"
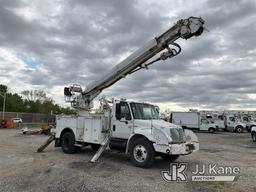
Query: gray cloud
(80, 40)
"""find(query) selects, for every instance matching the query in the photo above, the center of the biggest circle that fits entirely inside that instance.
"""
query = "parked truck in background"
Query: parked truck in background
(193, 120)
(248, 121)
(232, 123)
(217, 118)
(226, 120)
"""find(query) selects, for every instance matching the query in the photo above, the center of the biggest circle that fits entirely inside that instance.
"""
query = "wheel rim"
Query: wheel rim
(239, 130)
(140, 153)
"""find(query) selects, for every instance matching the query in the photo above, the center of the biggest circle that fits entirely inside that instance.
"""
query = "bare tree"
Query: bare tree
(34, 95)
(166, 114)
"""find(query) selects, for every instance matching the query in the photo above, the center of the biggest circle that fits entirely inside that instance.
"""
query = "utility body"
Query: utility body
(131, 127)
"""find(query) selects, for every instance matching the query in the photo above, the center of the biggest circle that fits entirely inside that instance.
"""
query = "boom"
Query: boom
(185, 29)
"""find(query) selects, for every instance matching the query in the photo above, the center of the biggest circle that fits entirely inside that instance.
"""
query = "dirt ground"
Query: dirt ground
(21, 169)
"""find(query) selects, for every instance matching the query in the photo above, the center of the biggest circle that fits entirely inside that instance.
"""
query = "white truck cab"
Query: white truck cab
(134, 128)
(233, 124)
(206, 125)
(217, 119)
(248, 121)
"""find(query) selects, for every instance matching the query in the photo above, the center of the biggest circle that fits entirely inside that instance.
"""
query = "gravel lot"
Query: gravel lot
(21, 169)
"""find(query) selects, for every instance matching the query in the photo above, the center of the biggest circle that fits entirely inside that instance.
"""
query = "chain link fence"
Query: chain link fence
(29, 119)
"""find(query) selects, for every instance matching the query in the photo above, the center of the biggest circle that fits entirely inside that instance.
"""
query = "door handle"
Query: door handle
(114, 128)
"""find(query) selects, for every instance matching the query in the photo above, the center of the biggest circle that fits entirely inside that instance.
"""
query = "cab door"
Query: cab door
(230, 122)
(122, 123)
(204, 125)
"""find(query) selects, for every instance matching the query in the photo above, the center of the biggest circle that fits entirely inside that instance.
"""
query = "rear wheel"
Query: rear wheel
(254, 136)
(167, 157)
(211, 130)
(142, 153)
(239, 129)
(68, 143)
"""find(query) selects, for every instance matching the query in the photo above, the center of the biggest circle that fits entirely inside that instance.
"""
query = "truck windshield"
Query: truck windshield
(144, 111)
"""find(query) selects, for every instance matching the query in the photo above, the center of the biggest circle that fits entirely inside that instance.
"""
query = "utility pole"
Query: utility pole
(4, 96)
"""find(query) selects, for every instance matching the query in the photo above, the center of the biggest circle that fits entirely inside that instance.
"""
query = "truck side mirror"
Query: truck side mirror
(128, 116)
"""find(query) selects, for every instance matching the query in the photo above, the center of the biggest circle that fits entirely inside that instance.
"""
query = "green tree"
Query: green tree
(33, 101)
(3, 88)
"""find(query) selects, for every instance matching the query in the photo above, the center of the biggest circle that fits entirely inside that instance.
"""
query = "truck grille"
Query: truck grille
(177, 135)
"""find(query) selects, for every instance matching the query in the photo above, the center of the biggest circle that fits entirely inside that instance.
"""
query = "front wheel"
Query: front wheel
(142, 153)
(211, 130)
(254, 136)
(168, 157)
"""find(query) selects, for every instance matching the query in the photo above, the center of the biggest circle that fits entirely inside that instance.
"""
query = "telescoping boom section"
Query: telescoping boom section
(164, 45)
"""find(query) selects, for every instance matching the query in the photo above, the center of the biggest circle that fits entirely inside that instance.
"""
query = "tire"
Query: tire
(95, 147)
(254, 136)
(239, 129)
(68, 143)
(78, 149)
(167, 157)
(142, 153)
(211, 130)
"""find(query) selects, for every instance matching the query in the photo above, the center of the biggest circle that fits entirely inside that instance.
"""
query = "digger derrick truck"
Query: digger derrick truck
(132, 127)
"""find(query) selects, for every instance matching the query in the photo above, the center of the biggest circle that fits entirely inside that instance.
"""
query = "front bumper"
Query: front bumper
(177, 149)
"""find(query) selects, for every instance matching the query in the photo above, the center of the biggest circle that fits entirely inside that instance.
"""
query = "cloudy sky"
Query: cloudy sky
(54, 43)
